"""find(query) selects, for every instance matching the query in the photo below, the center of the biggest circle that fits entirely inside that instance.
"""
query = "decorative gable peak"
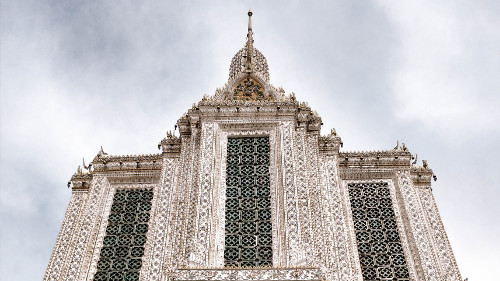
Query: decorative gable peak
(248, 77)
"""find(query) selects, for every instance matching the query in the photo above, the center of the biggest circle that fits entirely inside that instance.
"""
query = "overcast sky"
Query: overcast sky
(75, 75)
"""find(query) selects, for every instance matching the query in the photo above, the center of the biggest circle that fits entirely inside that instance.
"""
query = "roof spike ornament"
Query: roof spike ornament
(249, 45)
(248, 60)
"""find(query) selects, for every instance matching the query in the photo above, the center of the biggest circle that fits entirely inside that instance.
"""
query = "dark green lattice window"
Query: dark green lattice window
(123, 245)
(379, 245)
(248, 241)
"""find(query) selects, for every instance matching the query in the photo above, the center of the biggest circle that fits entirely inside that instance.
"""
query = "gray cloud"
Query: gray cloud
(79, 74)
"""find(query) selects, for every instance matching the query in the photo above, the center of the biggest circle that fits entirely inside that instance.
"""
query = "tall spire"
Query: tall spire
(249, 45)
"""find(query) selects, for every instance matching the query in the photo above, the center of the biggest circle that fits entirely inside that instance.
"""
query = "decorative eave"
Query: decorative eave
(383, 164)
(211, 109)
(126, 169)
(375, 159)
(422, 176)
(105, 163)
(369, 165)
(80, 181)
(170, 145)
(330, 144)
(208, 101)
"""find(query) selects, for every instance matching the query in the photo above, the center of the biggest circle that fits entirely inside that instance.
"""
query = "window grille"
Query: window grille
(379, 245)
(248, 238)
(123, 244)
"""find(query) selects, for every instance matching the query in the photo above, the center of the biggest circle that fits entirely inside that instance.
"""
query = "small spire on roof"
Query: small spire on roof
(249, 45)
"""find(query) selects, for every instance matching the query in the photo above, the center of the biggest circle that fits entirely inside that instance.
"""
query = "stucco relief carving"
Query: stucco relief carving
(63, 245)
(341, 254)
(103, 222)
(256, 274)
(295, 251)
(157, 250)
(199, 255)
(303, 197)
(189, 228)
(310, 211)
(182, 216)
(417, 224)
(99, 186)
(449, 268)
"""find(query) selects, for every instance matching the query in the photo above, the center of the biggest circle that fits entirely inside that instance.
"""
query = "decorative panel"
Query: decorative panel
(249, 90)
(160, 224)
(379, 244)
(250, 274)
(63, 243)
(248, 228)
(295, 253)
(449, 266)
(199, 253)
(418, 227)
(123, 245)
(81, 241)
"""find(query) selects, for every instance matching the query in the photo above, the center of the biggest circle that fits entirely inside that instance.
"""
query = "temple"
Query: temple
(250, 189)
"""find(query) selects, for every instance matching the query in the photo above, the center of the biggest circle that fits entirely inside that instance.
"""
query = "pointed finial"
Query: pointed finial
(249, 46)
(250, 19)
(397, 146)
(101, 152)
(85, 166)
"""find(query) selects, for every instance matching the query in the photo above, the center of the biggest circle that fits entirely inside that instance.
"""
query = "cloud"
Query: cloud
(76, 75)
(446, 50)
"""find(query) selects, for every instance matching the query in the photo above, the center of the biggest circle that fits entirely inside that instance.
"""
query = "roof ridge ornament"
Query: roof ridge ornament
(249, 45)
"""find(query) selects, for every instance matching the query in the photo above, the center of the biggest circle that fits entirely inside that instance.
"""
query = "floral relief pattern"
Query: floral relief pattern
(303, 196)
(338, 230)
(63, 243)
(160, 223)
(250, 274)
(99, 186)
(200, 254)
(312, 230)
(415, 214)
(309, 214)
(317, 230)
(249, 90)
(290, 197)
(449, 268)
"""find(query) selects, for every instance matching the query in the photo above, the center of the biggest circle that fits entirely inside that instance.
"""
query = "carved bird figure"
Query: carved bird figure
(169, 135)
(403, 147)
(416, 158)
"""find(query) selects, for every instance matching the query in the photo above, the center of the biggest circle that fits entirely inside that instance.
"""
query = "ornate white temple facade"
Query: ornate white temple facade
(249, 189)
